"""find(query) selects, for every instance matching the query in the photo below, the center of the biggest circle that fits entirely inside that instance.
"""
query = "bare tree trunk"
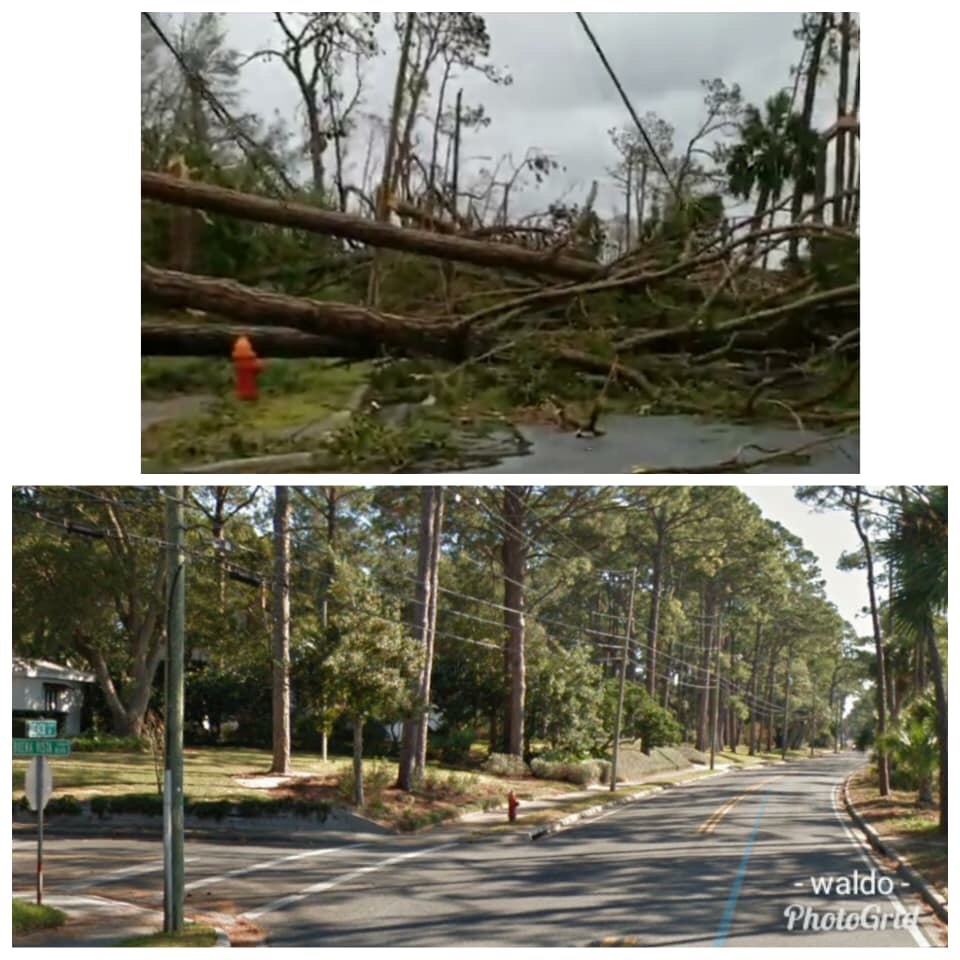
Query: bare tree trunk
(626, 224)
(641, 200)
(940, 692)
(514, 570)
(882, 760)
(448, 267)
(852, 164)
(337, 148)
(809, 96)
(431, 182)
(841, 138)
(383, 195)
(357, 760)
(413, 743)
(281, 631)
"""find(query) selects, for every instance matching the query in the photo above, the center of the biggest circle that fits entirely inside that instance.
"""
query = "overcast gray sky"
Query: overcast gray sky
(561, 100)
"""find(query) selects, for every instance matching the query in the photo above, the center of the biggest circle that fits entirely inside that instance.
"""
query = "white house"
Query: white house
(46, 689)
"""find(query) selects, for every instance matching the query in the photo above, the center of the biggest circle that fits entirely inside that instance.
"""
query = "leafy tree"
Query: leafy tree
(316, 48)
(374, 658)
(90, 588)
(911, 742)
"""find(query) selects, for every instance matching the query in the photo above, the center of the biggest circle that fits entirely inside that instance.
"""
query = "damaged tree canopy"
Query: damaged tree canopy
(203, 196)
(686, 321)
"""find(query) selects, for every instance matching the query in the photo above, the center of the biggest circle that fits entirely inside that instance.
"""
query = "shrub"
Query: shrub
(455, 744)
(505, 765)
(67, 804)
(582, 772)
(148, 803)
(92, 741)
(376, 778)
(212, 809)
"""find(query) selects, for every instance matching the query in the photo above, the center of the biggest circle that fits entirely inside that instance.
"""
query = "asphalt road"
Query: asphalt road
(723, 861)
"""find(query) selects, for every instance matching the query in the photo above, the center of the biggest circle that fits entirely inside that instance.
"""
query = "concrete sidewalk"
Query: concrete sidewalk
(95, 922)
(599, 793)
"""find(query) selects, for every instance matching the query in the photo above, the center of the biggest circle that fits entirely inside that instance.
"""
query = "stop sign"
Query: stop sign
(39, 783)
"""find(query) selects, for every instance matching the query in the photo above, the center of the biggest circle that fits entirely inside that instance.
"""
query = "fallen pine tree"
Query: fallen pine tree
(686, 328)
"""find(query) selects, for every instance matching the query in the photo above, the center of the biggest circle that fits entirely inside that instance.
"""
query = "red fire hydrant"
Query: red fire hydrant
(246, 367)
(512, 804)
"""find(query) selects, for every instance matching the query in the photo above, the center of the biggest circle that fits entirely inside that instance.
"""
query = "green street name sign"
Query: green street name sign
(47, 748)
(41, 728)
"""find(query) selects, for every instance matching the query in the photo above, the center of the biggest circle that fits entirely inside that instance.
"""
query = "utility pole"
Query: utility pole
(623, 683)
(173, 709)
(813, 719)
(786, 706)
(714, 720)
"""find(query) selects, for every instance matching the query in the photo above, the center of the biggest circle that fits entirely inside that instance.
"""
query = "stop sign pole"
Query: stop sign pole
(39, 786)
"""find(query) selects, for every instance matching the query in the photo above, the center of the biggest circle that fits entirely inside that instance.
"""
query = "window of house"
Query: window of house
(51, 698)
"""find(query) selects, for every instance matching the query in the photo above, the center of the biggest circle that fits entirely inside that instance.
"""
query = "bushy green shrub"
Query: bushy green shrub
(582, 772)
(67, 804)
(376, 778)
(505, 765)
(148, 803)
(209, 809)
(91, 741)
(454, 744)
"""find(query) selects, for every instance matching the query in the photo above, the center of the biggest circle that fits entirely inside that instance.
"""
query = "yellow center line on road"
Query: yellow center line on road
(710, 824)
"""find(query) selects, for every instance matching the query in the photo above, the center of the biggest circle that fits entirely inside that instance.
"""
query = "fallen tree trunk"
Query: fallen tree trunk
(334, 321)
(166, 338)
(204, 196)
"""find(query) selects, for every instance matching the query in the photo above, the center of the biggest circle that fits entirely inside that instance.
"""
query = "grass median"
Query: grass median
(193, 935)
(28, 917)
(222, 780)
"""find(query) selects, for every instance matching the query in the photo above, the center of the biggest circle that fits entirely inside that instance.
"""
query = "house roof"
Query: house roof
(51, 671)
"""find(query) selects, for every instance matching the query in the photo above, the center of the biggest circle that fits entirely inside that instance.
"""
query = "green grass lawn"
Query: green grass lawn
(293, 394)
(28, 917)
(194, 935)
(208, 772)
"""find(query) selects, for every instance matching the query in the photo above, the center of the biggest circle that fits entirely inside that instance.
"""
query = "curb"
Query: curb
(567, 821)
(930, 896)
(572, 818)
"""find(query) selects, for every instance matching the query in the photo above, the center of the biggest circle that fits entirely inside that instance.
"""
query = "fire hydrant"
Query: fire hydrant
(512, 804)
(246, 367)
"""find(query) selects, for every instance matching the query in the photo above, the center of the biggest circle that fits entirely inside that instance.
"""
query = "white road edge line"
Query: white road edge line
(918, 935)
(266, 864)
(344, 878)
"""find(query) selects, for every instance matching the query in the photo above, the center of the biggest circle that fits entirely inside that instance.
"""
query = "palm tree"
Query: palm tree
(766, 155)
(917, 550)
(912, 744)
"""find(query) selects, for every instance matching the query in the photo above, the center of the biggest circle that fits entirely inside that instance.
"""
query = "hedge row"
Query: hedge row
(152, 805)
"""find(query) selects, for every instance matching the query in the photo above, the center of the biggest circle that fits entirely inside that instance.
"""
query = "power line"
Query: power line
(244, 141)
(629, 106)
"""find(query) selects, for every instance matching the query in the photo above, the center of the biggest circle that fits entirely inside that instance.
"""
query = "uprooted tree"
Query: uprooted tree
(681, 312)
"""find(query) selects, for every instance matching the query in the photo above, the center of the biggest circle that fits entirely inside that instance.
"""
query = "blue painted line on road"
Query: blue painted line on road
(721, 938)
